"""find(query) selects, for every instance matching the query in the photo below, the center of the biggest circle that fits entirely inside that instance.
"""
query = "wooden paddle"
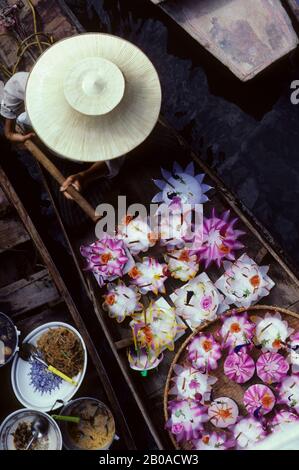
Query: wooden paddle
(58, 176)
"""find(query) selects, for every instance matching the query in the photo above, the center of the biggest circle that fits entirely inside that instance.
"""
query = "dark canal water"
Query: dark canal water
(250, 132)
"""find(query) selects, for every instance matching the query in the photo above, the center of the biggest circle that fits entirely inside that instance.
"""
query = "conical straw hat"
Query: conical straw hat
(93, 97)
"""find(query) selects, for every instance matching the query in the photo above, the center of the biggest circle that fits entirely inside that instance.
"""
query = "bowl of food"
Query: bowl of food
(96, 429)
(9, 339)
(16, 432)
(58, 345)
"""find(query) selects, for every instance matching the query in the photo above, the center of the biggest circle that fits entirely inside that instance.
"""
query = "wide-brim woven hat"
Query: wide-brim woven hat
(93, 97)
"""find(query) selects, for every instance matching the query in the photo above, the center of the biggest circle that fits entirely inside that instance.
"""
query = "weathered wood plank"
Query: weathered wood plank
(245, 36)
(124, 343)
(5, 207)
(12, 233)
(285, 292)
(78, 320)
(28, 294)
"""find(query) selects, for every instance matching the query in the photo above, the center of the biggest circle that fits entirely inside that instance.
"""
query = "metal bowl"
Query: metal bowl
(86, 408)
(9, 339)
(51, 441)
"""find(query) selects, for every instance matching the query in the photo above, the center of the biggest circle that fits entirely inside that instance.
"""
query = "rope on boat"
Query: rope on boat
(24, 46)
(35, 25)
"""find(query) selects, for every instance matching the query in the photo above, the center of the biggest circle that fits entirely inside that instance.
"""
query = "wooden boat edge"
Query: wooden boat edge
(63, 290)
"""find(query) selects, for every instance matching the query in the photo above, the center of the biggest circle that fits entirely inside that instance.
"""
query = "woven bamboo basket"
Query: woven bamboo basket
(224, 386)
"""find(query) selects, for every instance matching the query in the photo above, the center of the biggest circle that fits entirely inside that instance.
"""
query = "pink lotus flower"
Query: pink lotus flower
(271, 367)
(143, 359)
(239, 367)
(149, 276)
(248, 431)
(259, 400)
(283, 417)
(272, 331)
(206, 302)
(121, 301)
(187, 419)
(191, 384)
(236, 330)
(181, 264)
(213, 441)
(106, 258)
(220, 239)
(288, 391)
(177, 428)
(204, 352)
(293, 356)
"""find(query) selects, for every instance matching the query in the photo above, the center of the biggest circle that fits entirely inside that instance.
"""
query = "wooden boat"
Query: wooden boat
(20, 20)
(245, 36)
(294, 6)
(135, 181)
(33, 293)
(137, 186)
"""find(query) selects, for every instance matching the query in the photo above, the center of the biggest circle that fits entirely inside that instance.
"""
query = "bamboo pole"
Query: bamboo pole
(58, 176)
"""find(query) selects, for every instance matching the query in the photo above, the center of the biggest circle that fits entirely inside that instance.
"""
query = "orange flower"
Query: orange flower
(224, 249)
(152, 237)
(184, 256)
(134, 273)
(127, 219)
(148, 334)
(110, 299)
(205, 439)
(207, 345)
(106, 257)
(235, 328)
(267, 401)
(255, 281)
(276, 344)
(225, 413)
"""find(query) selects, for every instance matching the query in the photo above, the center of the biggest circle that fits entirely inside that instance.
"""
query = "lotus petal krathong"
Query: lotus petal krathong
(219, 239)
(156, 327)
(149, 276)
(121, 301)
(181, 185)
(106, 258)
(244, 283)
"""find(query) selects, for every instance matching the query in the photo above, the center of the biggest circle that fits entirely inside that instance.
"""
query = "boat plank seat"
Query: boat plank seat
(5, 207)
(245, 36)
(29, 294)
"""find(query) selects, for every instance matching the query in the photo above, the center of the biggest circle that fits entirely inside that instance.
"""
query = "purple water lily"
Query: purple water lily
(220, 239)
(106, 258)
(187, 418)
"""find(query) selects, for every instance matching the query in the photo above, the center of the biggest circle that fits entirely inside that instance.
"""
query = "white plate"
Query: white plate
(20, 379)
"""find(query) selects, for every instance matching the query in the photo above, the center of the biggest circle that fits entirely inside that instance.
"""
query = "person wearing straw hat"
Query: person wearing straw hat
(92, 98)
(12, 97)
(102, 98)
